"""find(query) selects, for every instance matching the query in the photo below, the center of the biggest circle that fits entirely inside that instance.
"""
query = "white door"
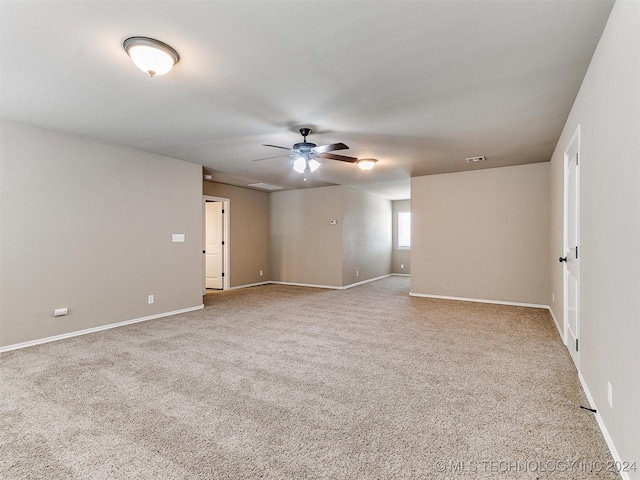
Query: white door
(571, 254)
(214, 245)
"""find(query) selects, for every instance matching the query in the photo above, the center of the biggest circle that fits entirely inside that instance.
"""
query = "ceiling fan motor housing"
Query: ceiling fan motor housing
(304, 147)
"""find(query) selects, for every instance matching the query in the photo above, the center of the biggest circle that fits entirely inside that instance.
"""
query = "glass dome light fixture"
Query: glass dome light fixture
(150, 55)
(366, 163)
(313, 165)
(301, 165)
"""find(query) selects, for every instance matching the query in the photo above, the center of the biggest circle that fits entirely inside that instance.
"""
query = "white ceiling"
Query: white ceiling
(419, 85)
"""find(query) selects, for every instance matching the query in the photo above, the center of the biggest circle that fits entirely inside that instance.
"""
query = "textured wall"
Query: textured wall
(366, 236)
(249, 232)
(607, 109)
(482, 234)
(87, 225)
(305, 247)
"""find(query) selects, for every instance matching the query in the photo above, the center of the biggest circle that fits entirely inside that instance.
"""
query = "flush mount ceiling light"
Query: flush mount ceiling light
(366, 163)
(150, 55)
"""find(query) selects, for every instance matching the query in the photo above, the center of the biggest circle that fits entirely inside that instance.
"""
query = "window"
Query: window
(404, 230)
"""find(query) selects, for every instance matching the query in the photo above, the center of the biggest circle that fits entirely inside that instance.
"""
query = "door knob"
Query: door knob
(562, 259)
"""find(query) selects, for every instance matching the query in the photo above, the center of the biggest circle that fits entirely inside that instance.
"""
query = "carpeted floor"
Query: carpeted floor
(283, 382)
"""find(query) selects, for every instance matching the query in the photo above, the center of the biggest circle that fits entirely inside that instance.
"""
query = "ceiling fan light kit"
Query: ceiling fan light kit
(307, 152)
(150, 55)
(302, 164)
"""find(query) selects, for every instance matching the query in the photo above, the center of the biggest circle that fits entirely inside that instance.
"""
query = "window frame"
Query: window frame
(400, 214)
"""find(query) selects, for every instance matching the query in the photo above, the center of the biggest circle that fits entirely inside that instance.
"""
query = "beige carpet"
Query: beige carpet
(295, 383)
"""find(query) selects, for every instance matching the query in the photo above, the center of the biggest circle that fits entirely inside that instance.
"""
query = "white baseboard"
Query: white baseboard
(479, 300)
(77, 333)
(555, 320)
(249, 285)
(365, 281)
(313, 285)
(332, 287)
(603, 428)
(295, 284)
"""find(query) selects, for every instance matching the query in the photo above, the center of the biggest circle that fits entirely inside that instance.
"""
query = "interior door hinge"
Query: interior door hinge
(223, 210)
(577, 159)
(223, 274)
(576, 251)
(223, 242)
(576, 344)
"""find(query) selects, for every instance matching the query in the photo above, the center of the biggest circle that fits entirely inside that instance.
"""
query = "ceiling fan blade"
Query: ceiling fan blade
(341, 158)
(275, 146)
(330, 148)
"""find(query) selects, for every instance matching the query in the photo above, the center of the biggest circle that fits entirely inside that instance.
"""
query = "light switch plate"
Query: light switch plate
(177, 237)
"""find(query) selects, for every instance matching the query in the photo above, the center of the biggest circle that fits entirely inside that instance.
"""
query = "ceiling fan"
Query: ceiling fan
(307, 152)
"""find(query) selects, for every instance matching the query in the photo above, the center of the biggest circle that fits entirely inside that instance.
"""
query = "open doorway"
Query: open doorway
(216, 212)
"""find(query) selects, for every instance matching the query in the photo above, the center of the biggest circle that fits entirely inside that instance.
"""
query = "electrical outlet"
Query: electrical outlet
(58, 312)
(357, 273)
(553, 297)
(402, 265)
(150, 299)
(260, 272)
(610, 394)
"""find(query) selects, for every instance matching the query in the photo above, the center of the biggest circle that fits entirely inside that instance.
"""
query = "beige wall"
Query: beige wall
(305, 247)
(249, 232)
(366, 233)
(482, 234)
(401, 259)
(608, 110)
(87, 225)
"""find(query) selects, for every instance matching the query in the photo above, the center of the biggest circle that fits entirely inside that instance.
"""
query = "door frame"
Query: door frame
(575, 140)
(226, 206)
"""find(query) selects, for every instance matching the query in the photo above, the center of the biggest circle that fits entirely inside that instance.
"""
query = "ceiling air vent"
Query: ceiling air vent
(265, 186)
(475, 159)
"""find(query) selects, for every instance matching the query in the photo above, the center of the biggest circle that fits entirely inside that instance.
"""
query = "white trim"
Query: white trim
(250, 285)
(603, 428)
(576, 137)
(555, 320)
(294, 284)
(345, 287)
(479, 300)
(365, 281)
(226, 237)
(397, 230)
(109, 326)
